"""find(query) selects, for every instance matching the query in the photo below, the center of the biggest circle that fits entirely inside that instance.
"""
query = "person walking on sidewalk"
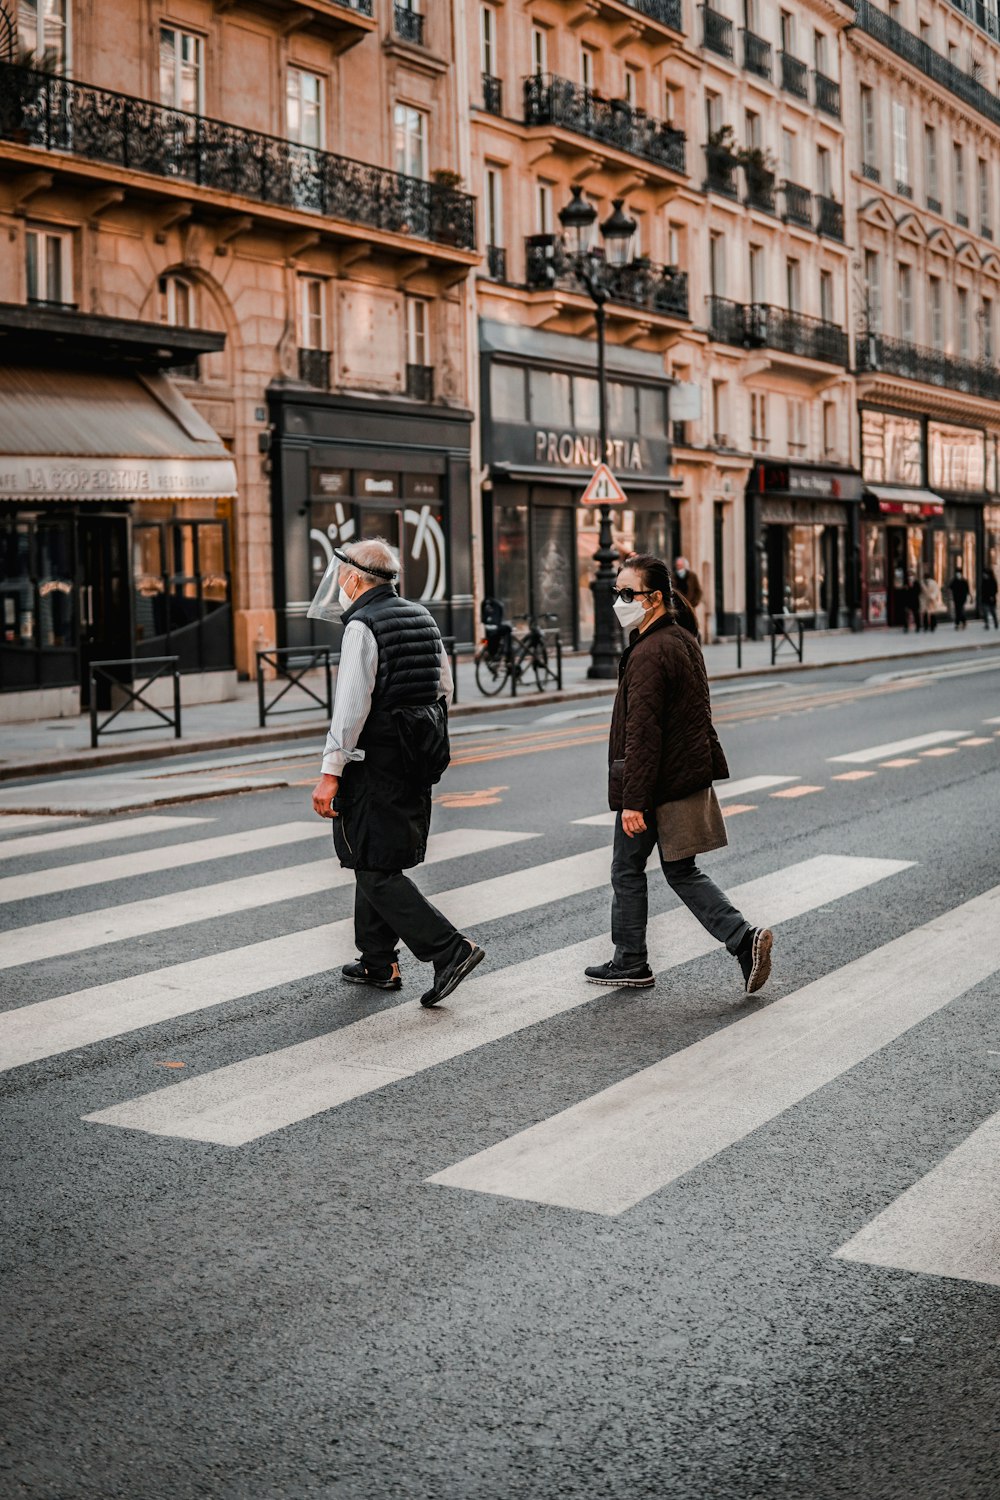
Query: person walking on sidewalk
(387, 745)
(959, 590)
(930, 601)
(988, 597)
(911, 603)
(664, 755)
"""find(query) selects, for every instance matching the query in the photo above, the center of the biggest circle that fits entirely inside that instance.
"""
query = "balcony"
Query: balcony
(830, 218)
(655, 289)
(794, 76)
(666, 12)
(420, 382)
(916, 52)
(717, 32)
(870, 172)
(962, 220)
(549, 100)
(984, 18)
(986, 231)
(760, 189)
(720, 171)
(496, 262)
(904, 189)
(408, 24)
(757, 325)
(798, 204)
(60, 115)
(492, 94)
(877, 352)
(756, 54)
(314, 367)
(827, 94)
(934, 204)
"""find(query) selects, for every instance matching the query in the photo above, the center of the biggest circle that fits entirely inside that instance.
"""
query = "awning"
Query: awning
(892, 501)
(70, 435)
(579, 478)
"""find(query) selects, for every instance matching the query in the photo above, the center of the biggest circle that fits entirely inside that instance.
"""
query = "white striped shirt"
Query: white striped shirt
(353, 699)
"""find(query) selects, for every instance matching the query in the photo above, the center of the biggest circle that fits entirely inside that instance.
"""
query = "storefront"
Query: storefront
(344, 469)
(923, 514)
(540, 445)
(115, 500)
(802, 539)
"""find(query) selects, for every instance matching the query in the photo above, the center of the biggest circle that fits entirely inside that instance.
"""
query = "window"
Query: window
(417, 332)
(631, 86)
(758, 421)
(543, 207)
(788, 32)
(900, 145)
(793, 287)
(182, 66)
(819, 52)
(675, 245)
(304, 108)
(312, 313)
(758, 290)
(751, 130)
(43, 32)
(963, 322)
(717, 263)
(713, 113)
(931, 162)
(830, 443)
(925, 31)
(873, 290)
(587, 67)
(826, 296)
(669, 103)
(984, 196)
(48, 265)
(788, 144)
(869, 140)
(936, 313)
(904, 302)
(493, 205)
(958, 160)
(986, 325)
(824, 172)
(719, 413)
(488, 40)
(410, 140)
(539, 50)
(751, 16)
(180, 302)
(797, 443)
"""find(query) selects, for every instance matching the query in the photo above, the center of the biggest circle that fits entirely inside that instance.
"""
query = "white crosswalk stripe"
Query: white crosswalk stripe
(95, 833)
(724, 790)
(900, 747)
(948, 1223)
(13, 822)
(609, 1152)
(245, 1100)
(149, 861)
(49, 1027)
(115, 924)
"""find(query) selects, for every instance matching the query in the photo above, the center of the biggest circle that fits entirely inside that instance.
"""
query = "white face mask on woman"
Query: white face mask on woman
(629, 615)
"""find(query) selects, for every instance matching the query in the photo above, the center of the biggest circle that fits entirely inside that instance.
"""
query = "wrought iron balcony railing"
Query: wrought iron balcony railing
(913, 50)
(984, 18)
(962, 220)
(720, 171)
(830, 217)
(876, 351)
(904, 189)
(363, 7)
(408, 24)
(934, 204)
(756, 54)
(492, 94)
(870, 172)
(760, 189)
(314, 367)
(798, 204)
(757, 325)
(717, 32)
(667, 12)
(827, 93)
(986, 230)
(794, 75)
(420, 382)
(658, 289)
(60, 114)
(549, 100)
(496, 262)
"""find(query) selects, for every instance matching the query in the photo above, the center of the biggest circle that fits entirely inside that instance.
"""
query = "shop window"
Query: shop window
(181, 584)
(38, 626)
(508, 401)
(182, 70)
(550, 398)
(48, 264)
(305, 108)
(586, 404)
(43, 33)
(622, 409)
(410, 141)
(511, 564)
(652, 412)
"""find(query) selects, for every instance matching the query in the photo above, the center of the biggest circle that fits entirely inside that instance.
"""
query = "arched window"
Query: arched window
(180, 302)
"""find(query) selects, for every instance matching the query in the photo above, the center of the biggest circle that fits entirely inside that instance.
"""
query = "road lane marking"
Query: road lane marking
(797, 791)
(149, 861)
(897, 765)
(948, 1223)
(116, 924)
(611, 1151)
(976, 740)
(742, 787)
(246, 1100)
(733, 809)
(49, 1027)
(853, 775)
(941, 750)
(900, 747)
(99, 833)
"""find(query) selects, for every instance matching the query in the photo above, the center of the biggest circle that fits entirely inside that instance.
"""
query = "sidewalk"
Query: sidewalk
(54, 746)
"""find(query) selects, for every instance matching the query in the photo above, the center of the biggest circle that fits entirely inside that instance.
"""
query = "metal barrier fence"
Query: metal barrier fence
(780, 636)
(101, 675)
(290, 665)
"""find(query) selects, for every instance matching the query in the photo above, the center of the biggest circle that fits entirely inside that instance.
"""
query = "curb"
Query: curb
(242, 739)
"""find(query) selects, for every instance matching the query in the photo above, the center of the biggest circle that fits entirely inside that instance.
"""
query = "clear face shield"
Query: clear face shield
(326, 603)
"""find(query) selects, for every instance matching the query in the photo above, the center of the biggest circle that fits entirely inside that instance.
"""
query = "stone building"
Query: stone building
(233, 306)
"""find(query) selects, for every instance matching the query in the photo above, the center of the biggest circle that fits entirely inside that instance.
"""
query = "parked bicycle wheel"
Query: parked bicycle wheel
(533, 661)
(492, 671)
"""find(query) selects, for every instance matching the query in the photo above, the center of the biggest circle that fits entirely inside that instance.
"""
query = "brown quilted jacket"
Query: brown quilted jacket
(663, 744)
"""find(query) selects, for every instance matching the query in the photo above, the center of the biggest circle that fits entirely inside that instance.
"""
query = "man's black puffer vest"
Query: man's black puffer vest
(409, 655)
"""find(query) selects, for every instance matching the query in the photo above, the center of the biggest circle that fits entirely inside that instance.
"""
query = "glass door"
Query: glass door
(104, 583)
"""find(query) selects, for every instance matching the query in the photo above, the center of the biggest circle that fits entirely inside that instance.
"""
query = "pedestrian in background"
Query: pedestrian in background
(988, 597)
(959, 589)
(387, 746)
(911, 603)
(687, 583)
(664, 755)
(930, 601)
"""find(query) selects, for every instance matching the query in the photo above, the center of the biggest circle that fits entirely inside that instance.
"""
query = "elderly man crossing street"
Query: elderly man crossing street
(387, 746)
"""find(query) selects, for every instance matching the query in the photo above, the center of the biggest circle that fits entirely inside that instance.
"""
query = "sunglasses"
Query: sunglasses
(627, 595)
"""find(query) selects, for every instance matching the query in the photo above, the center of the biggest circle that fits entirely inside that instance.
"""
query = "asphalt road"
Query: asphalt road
(306, 1314)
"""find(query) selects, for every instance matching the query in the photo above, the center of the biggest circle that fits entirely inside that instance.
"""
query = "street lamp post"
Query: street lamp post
(593, 268)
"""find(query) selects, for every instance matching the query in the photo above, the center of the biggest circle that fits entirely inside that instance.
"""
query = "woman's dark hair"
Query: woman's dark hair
(656, 576)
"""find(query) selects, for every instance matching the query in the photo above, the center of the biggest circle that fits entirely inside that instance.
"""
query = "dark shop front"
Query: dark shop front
(345, 469)
(540, 445)
(803, 534)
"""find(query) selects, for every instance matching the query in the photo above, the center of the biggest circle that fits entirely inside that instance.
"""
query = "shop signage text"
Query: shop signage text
(812, 483)
(572, 451)
(908, 508)
(111, 479)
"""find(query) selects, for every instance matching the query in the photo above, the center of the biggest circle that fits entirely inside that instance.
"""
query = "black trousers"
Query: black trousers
(388, 908)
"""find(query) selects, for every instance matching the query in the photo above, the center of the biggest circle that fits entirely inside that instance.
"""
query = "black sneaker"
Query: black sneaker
(639, 977)
(388, 978)
(451, 975)
(755, 958)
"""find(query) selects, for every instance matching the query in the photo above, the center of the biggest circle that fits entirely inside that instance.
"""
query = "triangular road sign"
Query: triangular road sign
(603, 489)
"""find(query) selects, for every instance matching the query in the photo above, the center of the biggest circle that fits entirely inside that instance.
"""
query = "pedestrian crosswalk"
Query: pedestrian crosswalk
(605, 1153)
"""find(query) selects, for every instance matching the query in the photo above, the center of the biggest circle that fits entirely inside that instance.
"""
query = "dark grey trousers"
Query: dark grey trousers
(630, 902)
(388, 908)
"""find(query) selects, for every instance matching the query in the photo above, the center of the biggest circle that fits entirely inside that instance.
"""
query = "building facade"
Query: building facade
(194, 203)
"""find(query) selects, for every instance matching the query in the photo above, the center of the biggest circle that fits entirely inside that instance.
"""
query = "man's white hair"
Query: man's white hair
(375, 558)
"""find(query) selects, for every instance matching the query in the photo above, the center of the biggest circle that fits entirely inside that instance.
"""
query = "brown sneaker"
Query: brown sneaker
(755, 958)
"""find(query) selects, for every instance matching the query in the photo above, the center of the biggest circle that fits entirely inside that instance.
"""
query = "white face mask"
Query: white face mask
(345, 599)
(629, 615)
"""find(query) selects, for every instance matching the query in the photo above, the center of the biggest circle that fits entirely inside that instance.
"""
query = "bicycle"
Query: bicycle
(503, 657)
